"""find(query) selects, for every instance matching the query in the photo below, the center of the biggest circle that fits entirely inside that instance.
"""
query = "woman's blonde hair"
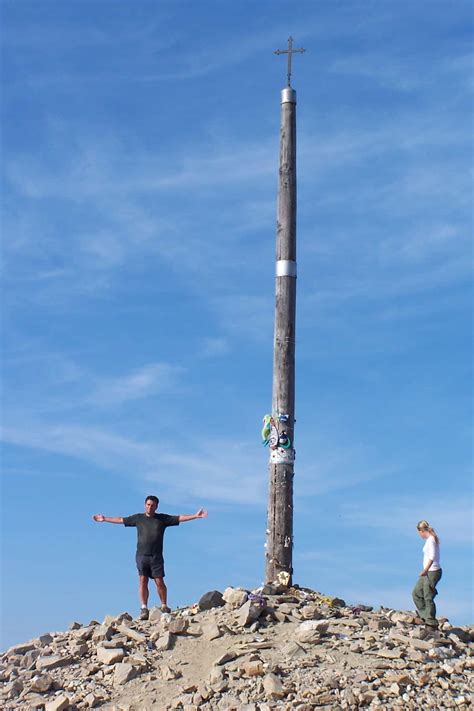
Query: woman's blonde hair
(425, 526)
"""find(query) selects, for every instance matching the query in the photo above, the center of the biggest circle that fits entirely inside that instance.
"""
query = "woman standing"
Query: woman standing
(425, 591)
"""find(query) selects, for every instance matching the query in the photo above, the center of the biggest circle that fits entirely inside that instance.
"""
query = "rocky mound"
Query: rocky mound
(272, 648)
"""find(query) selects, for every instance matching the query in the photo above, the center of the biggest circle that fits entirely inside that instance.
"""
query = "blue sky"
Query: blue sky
(140, 164)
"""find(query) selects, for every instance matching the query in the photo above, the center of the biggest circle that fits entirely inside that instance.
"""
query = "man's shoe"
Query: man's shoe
(165, 608)
(144, 613)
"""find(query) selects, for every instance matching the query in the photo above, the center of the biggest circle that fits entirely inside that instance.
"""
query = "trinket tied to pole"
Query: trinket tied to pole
(279, 545)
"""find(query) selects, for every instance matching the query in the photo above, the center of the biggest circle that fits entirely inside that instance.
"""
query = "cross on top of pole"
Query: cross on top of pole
(289, 52)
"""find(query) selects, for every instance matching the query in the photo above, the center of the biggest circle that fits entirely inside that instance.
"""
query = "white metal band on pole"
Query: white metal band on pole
(288, 96)
(286, 267)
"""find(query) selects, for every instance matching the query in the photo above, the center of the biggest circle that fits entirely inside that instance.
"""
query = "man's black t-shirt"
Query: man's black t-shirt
(150, 531)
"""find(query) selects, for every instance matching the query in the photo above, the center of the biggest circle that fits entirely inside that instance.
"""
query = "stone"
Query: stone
(288, 607)
(42, 683)
(92, 700)
(320, 626)
(169, 674)
(402, 679)
(131, 634)
(310, 631)
(204, 691)
(229, 703)
(308, 636)
(324, 699)
(350, 697)
(114, 643)
(80, 649)
(248, 613)
(164, 641)
(400, 616)
(381, 624)
(389, 653)
(102, 632)
(224, 658)
(278, 616)
(21, 648)
(211, 599)
(273, 687)
(155, 614)
(54, 661)
(210, 630)
(366, 697)
(273, 589)
(218, 682)
(28, 659)
(85, 633)
(234, 597)
(110, 656)
(293, 650)
(394, 690)
(58, 703)
(310, 612)
(14, 688)
(411, 641)
(45, 639)
(178, 625)
(123, 672)
(415, 655)
(461, 634)
(254, 668)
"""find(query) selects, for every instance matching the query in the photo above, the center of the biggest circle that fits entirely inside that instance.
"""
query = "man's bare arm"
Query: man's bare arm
(202, 513)
(100, 518)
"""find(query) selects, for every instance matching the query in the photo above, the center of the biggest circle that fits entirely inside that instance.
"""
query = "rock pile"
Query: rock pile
(273, 648)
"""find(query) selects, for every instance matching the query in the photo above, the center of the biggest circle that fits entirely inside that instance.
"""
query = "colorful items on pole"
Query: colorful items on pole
(271, 435)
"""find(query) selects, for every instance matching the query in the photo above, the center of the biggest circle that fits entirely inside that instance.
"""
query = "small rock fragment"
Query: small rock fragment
(110, 656)
(42, 683)
(54, 661)
(210, 629)
(59, 703)
(254, 668)
(131, 633)
(178, 625)
(164, 641)
(234, 597)
(123, 672)
(273, 686)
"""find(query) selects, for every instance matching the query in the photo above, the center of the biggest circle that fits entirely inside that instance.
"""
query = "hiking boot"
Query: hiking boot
(144, 613)
(165, 608)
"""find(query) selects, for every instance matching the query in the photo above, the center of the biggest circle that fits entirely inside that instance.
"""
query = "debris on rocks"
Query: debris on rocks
(276, 647)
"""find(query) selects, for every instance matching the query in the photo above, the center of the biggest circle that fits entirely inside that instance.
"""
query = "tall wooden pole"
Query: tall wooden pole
(279, 546)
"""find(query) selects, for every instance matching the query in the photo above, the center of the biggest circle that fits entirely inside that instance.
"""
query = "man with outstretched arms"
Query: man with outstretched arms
(150, 527)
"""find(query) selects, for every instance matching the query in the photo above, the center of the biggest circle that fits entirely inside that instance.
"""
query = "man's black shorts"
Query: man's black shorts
(151, 566)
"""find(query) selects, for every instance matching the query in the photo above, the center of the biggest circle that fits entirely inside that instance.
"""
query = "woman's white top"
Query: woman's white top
(431, 552)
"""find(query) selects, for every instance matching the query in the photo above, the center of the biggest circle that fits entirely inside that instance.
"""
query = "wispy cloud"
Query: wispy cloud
(325, 469)
(214, 347)
(212, 469)
(48, 383)
(452, 519)
(141, 383)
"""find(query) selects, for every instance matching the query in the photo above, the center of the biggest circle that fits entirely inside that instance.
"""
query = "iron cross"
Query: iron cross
(289, 52)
